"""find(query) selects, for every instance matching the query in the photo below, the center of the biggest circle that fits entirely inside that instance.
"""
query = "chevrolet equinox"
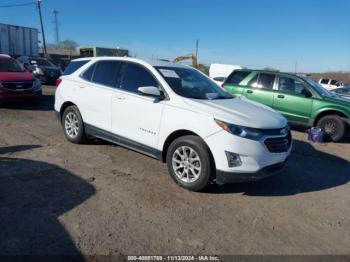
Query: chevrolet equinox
(176, 114)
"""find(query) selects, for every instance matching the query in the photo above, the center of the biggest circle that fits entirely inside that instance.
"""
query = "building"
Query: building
(92, 51)
(60, 56)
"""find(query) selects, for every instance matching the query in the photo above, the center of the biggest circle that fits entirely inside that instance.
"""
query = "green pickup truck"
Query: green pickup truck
(300, 100)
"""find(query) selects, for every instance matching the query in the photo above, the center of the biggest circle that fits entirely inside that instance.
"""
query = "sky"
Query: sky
(315, 34)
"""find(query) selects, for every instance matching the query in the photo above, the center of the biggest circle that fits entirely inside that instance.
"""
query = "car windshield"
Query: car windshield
(41, 62)
(10, 65)
(320, 89)
(189, 83)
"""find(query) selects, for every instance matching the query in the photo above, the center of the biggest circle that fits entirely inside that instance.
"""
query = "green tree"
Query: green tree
(68, 44)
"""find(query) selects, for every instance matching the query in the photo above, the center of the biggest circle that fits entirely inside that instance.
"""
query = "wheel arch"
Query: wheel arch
(328, 112)
(180, 133)
(64, 106)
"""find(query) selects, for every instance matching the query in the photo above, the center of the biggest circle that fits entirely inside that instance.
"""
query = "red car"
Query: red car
(17, 83)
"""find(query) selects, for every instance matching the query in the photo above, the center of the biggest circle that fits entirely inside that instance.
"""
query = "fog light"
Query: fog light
(233, 159)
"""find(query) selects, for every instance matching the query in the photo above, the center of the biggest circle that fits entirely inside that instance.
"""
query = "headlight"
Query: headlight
(36, 85)
(246, 132)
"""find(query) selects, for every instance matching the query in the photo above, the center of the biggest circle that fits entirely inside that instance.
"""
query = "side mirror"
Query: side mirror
(150, 91)
(306, 93)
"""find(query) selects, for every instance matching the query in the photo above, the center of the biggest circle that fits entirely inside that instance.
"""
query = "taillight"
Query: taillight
(58, 82)
(223, 85)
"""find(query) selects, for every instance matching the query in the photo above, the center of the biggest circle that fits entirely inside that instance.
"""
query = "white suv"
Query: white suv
(330, 84)
(176, 114)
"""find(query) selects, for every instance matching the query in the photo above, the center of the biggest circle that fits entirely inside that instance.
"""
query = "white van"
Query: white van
(219, 72)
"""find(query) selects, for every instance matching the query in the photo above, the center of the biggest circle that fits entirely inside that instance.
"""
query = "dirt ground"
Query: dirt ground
(98, 198)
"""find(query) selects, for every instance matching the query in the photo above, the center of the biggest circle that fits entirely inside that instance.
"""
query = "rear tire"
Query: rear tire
(333, 127)
(189, 163)
(73, 125)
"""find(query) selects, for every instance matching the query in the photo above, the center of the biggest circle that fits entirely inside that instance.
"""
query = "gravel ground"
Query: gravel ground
(98, 198)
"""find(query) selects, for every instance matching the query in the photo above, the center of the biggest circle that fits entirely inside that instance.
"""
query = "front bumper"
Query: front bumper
(224, 177)
(20, 95)
(257, 161)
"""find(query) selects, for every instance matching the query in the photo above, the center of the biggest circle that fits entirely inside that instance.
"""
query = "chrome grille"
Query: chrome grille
(279, 144)
(18, 86)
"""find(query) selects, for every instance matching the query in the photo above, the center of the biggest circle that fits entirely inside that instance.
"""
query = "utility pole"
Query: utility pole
(197, 49)
(296, 67)
(38, 3)
(57, 36)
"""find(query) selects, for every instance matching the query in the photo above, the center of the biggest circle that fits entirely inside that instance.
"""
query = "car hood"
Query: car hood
(342, 100)
(345, 97)
(49, 68)
(240, 112)
(16, 76)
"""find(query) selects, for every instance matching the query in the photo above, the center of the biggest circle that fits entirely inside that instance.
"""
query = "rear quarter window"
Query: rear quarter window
(87, 75)
(237, 77)
(74, 66)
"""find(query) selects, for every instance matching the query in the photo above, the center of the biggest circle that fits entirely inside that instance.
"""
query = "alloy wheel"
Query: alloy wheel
(71, 124)
(186, 164)
(330, 127)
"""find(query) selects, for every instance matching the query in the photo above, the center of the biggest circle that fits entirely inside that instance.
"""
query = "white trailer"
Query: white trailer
(18, 40)
(219, 72)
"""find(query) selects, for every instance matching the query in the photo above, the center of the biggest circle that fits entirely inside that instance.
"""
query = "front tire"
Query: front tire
(189, 163)
(73, 125)
(333, 127)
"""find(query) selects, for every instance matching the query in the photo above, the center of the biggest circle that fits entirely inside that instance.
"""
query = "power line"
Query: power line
(17, 5)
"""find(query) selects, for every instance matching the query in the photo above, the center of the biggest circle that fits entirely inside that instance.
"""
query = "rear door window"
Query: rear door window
(135, 76)
(237, 77)
(106, 73)
(266, 81)
(325, 81)
(74, 66)
(263, 81)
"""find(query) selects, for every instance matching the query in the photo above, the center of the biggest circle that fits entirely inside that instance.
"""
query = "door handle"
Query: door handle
(119, 97)
(280, 96)
(81, 86)
(250, 91)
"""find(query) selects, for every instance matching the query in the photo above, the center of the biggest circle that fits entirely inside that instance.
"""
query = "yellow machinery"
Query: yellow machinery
(195, 64)
(186, 57)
